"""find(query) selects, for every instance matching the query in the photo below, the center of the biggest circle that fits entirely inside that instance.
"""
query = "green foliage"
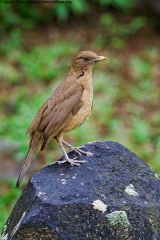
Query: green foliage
(8, 197)
(140, 67)
(41, 62)
(22, 14)
(79, 7)
(117, 33)
(28, 15)
(14, 127)
(62, 11)
(8, 72)
(13, 42)
(140, 131)
(121, 4)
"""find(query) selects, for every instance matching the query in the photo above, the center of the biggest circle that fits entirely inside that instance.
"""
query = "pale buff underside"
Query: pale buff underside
(86, 107)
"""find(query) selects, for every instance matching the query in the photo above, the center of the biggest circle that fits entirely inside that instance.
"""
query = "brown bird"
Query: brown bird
(66, 109)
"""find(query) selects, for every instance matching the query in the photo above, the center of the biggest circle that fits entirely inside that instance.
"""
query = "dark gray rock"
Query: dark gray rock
(58, 201)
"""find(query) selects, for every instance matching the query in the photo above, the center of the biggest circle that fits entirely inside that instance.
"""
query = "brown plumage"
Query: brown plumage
(67, 108)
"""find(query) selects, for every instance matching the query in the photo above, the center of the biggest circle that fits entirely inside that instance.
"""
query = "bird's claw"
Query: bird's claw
(72, 161)
(80, 152)
(89, 154)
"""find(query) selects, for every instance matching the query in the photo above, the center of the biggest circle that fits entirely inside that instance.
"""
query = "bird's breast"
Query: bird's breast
(84, 111)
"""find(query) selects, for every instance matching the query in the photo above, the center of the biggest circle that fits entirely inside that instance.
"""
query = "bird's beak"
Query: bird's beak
(100, 58)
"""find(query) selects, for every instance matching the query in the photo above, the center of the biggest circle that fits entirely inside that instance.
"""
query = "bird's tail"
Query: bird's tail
(26, 164)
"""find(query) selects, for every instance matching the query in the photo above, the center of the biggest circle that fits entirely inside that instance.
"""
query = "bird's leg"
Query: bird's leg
(77, 149)
(59, 139)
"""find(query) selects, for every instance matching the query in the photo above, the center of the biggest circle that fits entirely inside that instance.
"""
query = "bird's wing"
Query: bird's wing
(35, 123)
(57, 112)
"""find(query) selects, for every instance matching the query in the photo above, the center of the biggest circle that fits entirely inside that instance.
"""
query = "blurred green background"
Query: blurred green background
(37, 45)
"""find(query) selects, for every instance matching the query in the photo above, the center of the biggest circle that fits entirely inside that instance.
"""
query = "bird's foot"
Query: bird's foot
(80, 152)
(72, 161)
(77, 149)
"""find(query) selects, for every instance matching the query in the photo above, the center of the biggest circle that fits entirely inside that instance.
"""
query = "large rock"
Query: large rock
(115, 195)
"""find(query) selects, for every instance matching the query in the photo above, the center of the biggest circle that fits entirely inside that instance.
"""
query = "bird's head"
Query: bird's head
(85, 60)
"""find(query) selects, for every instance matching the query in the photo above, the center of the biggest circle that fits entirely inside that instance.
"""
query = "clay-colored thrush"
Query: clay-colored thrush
(66, 109)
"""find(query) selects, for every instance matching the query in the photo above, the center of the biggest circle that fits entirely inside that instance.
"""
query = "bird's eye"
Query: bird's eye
(86, 58)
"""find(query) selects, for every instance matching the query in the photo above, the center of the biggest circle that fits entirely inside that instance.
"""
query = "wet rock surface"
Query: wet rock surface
(115, 195)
